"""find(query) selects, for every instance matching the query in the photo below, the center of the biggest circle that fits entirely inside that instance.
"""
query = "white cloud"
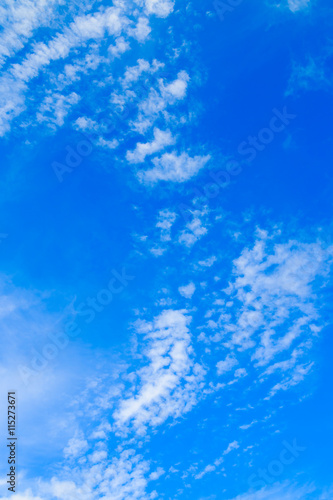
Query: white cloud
(280, 491)
(297, 376)
(55, 108)
(115, 22)
(158, 102)
(85, 123)
(166, 219)
(40, 360)
(123, 477)
(208, 262)
(247, 426)
(76, 446)
(232, 446)
(156, 474)
(142, 30)
(207, 469)
(161, 8)
(157, 251)
(15, 80)
(314, 74)
(280, 284)
(269, 318)
(240, 373)
(92, 474)
(98, 456)
(194, 229)
(169, 383)
(20, 22)
(296, 5)
(177, 89)
(81, 29)
(108, 144)
(226, 365)
(187, 291)
(160, 141)
(120, 47)
(133, 73)
(173, 167)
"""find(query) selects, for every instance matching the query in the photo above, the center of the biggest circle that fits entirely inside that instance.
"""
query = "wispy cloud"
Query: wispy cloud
(160, 141)
(284, 491)
(174, 167)
(296, 5)
(314, 74)
(187, 290)
(162, 8)
(271, 314)
(168, 384)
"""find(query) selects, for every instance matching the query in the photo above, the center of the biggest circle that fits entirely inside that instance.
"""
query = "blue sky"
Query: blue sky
(166, 248)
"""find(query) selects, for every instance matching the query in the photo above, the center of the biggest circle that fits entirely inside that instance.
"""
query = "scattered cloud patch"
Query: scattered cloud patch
(195, 229)
(169, 383)
(160, 141)
(208, 262)
(283, 491)
(315, 74)
(166, 219)
(232, 446)
(226, 365)
(161, 8)
(187, 291)
(296, 5)
(173, 167)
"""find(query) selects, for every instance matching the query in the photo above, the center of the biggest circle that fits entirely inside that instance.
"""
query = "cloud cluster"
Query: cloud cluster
(270, 316)
(86, 30)
(168, 385)
(296, 5)
(174, 167)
